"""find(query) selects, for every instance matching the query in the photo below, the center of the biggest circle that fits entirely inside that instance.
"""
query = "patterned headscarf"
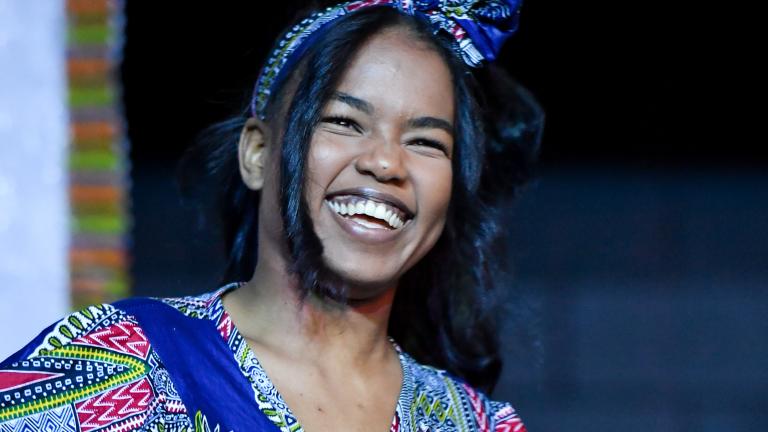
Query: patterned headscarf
(479, 28)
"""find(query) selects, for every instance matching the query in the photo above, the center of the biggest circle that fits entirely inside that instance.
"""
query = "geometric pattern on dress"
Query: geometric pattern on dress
(198, 306)
(15, 379)
(270, 402)
(429, 410)
(437, 403)
(164, 387)
(125, 337)
(95, 361)
(443, 402)
(86, 371)
(170, 414)
(201, 424)
(478, 409)
(115, 405)
(72, 326)
(402, 420)
(396, 424)
(430, 399)
(208, 306)
(165, 422)
(505, 418)
(100, 362)
(61, 419)
(225, 327)
(98, 366)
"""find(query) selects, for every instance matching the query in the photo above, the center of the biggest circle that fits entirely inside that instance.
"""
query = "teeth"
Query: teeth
(370, 208)
(397, 223)
(380, 211)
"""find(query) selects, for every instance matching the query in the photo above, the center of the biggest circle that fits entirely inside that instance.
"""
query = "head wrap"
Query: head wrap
(479, 28)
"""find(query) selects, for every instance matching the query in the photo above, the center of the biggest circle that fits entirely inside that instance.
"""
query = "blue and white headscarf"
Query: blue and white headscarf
(479, 28)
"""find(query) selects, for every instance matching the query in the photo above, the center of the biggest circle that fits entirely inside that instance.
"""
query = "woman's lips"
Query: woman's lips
(363, 233)
(378, 196)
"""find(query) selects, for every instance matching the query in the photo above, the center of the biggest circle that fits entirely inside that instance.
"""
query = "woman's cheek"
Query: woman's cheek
(321, 148)
(436, 195)
(440, 187)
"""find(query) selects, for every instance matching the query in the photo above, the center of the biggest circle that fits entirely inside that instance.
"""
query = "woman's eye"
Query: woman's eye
(343, 122)
(430, 143)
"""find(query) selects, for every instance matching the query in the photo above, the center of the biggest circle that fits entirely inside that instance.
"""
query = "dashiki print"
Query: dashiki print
(96, 371)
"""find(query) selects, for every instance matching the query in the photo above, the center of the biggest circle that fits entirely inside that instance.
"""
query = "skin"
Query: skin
(333, 364)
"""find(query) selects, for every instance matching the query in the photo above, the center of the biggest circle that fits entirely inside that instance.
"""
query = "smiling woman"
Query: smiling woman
(387, 150)
(359, 192)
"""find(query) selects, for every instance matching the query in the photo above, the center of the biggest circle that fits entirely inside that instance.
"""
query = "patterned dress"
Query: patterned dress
(95, 370)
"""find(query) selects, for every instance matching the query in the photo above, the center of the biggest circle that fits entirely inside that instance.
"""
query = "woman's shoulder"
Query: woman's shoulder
(92, 369)
(439, 397)
(204, 306)
(96, 326)
(111, 326)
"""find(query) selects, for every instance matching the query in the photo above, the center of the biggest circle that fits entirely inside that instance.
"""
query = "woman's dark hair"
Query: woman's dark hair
(445, 310)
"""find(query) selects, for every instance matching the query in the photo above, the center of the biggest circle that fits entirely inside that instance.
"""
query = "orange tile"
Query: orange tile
(104, 257)
(93, 130)
(82, 7)
(94, 193)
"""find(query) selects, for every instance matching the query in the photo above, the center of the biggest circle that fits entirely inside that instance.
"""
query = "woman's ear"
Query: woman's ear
(251, 152)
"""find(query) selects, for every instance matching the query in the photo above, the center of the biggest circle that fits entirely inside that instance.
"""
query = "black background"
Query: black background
(621, 84)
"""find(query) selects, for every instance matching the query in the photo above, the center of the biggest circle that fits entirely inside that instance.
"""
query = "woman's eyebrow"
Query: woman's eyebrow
(416, 123)
(354, 102)
(429, 123)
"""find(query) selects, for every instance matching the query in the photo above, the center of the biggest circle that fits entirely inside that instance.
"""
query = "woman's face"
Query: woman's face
(379, 168)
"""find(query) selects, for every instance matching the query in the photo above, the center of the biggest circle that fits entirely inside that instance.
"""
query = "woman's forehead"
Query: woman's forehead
(397, 74)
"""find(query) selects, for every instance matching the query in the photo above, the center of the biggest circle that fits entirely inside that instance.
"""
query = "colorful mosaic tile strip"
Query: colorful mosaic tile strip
(98, 160)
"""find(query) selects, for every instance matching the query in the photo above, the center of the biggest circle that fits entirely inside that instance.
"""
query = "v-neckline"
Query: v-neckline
(266, 392)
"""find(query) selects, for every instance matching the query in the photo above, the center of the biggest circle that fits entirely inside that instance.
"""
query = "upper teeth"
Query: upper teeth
(368, 207)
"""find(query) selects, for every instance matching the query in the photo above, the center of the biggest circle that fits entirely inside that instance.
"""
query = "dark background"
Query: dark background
(638, 300)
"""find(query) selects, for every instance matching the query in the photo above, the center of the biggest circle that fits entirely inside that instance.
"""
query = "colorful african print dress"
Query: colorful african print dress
(120, 367)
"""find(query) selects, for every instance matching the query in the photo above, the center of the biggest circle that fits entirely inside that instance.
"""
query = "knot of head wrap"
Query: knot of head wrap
(479, 28)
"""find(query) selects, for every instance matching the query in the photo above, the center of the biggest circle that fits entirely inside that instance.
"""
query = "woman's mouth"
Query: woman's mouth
(368, 213)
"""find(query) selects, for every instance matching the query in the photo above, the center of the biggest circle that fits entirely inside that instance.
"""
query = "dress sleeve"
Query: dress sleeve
(93, 370)
(492, 415)
(504, 418)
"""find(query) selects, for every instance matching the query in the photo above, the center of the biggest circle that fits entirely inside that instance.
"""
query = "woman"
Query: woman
(367, 157)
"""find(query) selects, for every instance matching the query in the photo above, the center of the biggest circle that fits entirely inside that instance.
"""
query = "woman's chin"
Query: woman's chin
(369, 282)
(365, 278)
(362, 264)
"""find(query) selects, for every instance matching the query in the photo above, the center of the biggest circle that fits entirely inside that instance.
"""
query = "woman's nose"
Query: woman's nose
(383, 160)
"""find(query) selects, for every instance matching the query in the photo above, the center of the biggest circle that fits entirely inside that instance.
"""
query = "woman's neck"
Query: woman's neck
(269, 312)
